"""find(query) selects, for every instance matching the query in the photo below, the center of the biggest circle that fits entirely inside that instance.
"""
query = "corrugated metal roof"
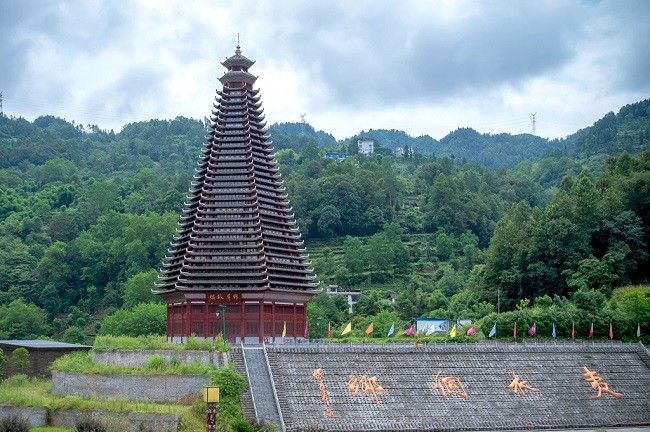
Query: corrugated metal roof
(41, 344)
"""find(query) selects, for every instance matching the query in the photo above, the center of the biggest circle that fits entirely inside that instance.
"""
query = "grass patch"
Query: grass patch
(81, 362)
(155, 342)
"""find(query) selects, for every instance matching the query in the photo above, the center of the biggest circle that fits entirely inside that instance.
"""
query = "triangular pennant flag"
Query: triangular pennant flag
(410, 330)
(591, 330)
(493, 332)
(573, 331)
(284, 329)
(638, 330)
(391, 331)
(471, 330)
(514, 331)
(369, 329)
(452, 333)
(611, 331)
(430, 330)
(532, 330)
(347, 329)
(553, 333)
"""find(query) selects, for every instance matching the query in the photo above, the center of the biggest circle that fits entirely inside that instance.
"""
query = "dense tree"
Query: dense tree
(20, 320)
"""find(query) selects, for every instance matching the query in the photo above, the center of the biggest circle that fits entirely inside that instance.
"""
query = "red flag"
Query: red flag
(573, 331)
(329, 330)
(611, 331)
(514, 331)
(471, 330)
(591, 331)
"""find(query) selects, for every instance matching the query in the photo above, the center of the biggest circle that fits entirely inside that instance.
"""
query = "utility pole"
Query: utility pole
(1, 112)
(534, 122)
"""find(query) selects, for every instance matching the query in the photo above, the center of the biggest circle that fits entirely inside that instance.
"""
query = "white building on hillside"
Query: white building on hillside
(366, 147)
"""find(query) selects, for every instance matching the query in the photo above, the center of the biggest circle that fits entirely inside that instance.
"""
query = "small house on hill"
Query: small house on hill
(41, 355)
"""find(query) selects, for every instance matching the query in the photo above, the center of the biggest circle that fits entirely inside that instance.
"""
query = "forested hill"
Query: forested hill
(628, 130)
(492, 151)
(86, 217)
(296, 135)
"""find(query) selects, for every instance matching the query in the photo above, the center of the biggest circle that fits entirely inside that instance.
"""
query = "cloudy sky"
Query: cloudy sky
(425, 67)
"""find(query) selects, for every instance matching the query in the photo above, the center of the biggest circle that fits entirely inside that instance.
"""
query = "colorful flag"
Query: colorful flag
(369, 329)
(391, 331)
(493, 332)
(591, 330)
(284, 329)
(514, 331)
(410, 330)
(329, 330)
(638, 330)
(306, 334)
(347, 329)
(471, 330)
(533, 329)
(611, 331)
(573, 331)
(431, 330)
(452, 333)
(553, 333)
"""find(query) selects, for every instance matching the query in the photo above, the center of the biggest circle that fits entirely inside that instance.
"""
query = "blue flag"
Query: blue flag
(554, 334)
(391, 331)
(493, 331)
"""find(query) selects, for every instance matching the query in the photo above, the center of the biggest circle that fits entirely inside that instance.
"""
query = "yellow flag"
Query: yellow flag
(347, 329)
(452, 333)
(284, 330)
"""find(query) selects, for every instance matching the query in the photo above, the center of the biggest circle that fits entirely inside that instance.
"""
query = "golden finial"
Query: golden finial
(238, 48)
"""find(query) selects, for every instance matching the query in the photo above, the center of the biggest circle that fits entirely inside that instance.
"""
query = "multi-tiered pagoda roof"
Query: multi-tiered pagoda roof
(237, 231)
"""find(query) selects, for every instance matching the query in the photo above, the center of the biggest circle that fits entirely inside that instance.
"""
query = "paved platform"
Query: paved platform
(449, 387)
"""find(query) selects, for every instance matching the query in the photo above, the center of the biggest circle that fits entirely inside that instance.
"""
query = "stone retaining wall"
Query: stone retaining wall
(35, 416)
(138, 358)
(131, 422)
(69, 418)
(157, 388)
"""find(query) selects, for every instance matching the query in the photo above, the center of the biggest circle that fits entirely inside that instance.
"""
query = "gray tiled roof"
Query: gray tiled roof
(408, 376)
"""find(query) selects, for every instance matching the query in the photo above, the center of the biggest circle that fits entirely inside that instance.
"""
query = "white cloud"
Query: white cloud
(422, 67)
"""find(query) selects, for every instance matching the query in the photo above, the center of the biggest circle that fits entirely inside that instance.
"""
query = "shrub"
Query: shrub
(156, 362)
(14, 423)
(90, 425)
(19, 358)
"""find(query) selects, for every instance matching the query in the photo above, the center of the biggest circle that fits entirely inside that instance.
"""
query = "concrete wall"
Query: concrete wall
(35, 416)
(138, 358)
(158, 388)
